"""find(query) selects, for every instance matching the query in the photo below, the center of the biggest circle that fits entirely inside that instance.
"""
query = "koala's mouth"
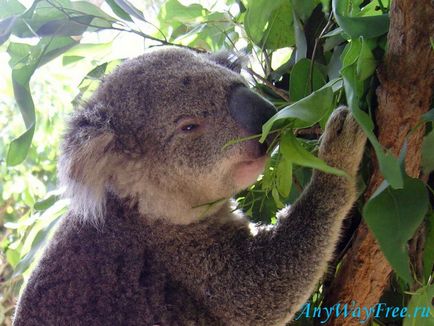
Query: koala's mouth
(255, 162)
(247, 171)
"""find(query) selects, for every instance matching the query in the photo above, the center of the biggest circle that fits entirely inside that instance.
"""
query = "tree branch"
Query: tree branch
(405, 92)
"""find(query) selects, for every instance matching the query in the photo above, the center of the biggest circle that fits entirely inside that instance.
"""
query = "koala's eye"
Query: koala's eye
(188, 124)
(190, 127)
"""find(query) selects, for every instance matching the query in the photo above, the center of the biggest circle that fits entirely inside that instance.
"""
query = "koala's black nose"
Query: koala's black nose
(249, 109)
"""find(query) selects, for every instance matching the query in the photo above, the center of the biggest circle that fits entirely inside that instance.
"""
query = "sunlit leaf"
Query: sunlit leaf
(269, 23)
(19, 147)
(118, 10)
(303, 113)
(129, 9)
(6, 28)
(38, 243)
(294, 152)
(284, 177)
(10, 8)
(65, 27)
(24, 61)
(46, 203)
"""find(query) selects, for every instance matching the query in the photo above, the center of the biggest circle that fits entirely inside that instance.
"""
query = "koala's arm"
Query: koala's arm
(264, 279)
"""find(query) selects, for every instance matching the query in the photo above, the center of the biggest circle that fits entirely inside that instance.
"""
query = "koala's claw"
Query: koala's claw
(343, 141)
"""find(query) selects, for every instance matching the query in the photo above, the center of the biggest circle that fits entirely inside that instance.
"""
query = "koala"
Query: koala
(151, 237)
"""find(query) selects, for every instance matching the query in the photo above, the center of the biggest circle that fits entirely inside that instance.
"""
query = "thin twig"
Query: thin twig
(278, 91)
(324, 30)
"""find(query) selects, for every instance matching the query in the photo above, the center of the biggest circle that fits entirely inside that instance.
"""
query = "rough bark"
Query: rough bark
(405, 92)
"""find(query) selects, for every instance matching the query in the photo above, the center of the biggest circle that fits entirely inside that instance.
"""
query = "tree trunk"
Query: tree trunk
(405, 93)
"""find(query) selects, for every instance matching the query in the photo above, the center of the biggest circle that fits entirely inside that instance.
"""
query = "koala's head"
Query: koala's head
(160, 130)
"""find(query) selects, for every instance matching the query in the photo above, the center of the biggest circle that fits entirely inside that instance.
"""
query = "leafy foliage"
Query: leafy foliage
(307, 57)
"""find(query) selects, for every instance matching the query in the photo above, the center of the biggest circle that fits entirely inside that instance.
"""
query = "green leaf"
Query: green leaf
(174, 11)
(357, 65)
(13, 257)
(38, 243)
(428, 153)
(284, 177)
(300, 39)
(10, 8)
(118, 10)
(61, 18)
(130, 9)
(301, 81)
(276, 198)
(335, 64)
(304, 8)
(294, 152)
(366, 63)
(303, 113)
(345, 12)
(25, 59)
(420, 308)
(429, 116)
(46, 203)
(6, 28)
(67, 27)
(19, 147)
(269, 24)
(393, 215)
(428, 254)
(176, 19)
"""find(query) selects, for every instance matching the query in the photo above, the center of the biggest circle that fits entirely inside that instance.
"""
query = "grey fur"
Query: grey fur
(139, 248)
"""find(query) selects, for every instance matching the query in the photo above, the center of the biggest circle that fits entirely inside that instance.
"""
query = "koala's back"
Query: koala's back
(115, 280)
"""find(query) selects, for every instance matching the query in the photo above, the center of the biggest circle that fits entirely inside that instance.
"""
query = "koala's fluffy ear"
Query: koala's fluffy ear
(84, 170)
(229, 60)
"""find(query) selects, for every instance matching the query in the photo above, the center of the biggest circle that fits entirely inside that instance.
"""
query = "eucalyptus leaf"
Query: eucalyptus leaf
(46, 203)
(276, 198)
(61, 17)
(67, 27)
(294, 152)
(175, 19)
(10, 8)
(19, 147)
(300, 39)
(130, 9)
(420, 308)
(429, 116)
(303, 113)
(358, 64)
(428, 152)
(428, 253)
(119, 11)
(38, 243)
(302, 82)
(284, 177)
(357, 25)
(6, 28)
(304, 8)
(393, 215)
(269, 24)
(24, 61)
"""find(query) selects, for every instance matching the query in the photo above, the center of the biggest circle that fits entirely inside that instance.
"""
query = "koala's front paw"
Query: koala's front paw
(343, 141)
